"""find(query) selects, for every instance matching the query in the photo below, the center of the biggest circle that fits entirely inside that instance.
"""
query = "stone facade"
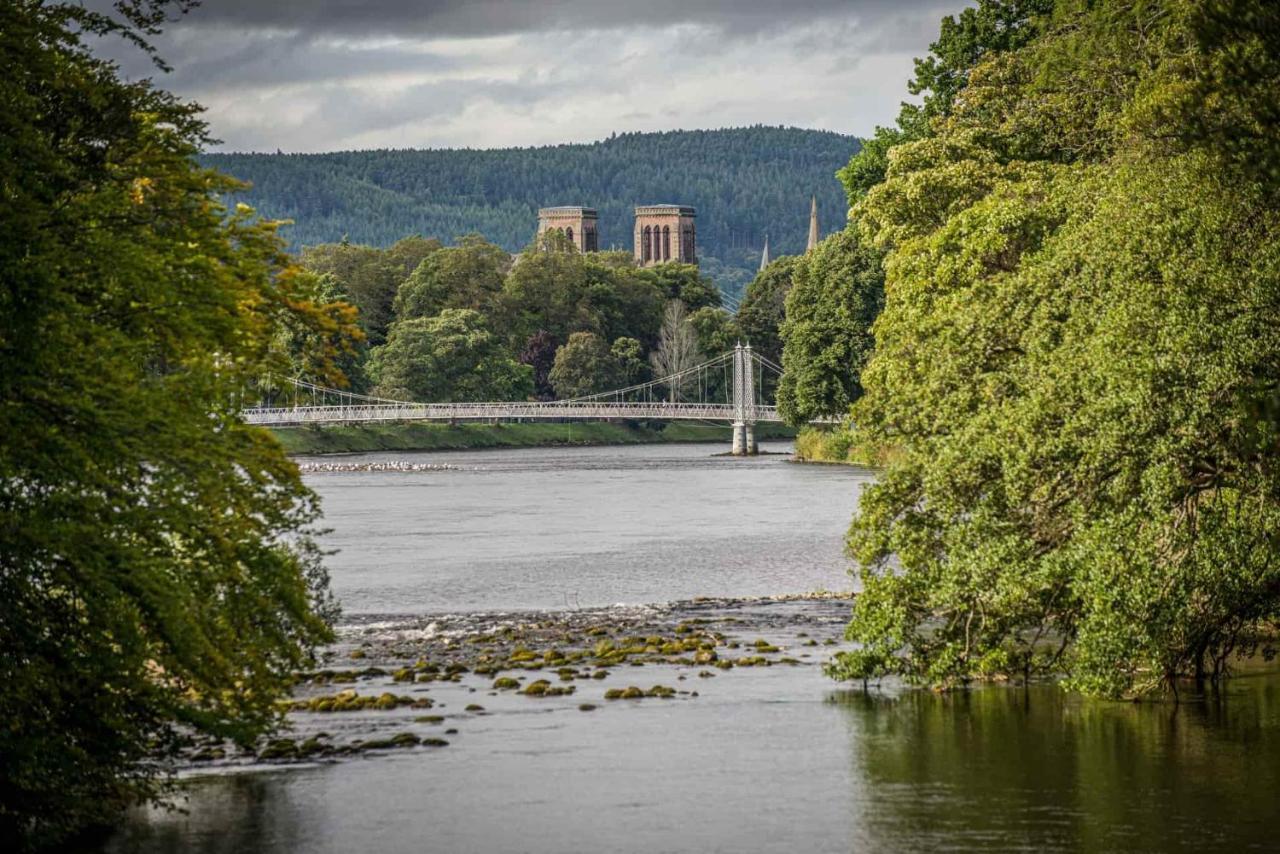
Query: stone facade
(576, 223)
(665, 233)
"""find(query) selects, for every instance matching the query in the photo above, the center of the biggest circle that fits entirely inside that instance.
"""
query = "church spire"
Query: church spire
(764, 256)
(813, 224)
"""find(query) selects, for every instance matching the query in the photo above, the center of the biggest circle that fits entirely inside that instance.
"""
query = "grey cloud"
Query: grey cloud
(471, 18)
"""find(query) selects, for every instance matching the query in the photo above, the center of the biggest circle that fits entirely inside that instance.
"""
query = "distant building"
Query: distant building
(578, 224)
(764, 256)
(665, 233)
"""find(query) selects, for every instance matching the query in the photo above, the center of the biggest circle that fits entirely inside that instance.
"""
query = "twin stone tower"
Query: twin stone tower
(662, 232)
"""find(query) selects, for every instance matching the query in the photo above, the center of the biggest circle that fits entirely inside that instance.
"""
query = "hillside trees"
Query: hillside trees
(157, 578)
(1077, 360)
(743, 181)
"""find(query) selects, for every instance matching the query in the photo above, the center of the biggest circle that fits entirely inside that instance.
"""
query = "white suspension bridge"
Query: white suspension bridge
(729, 388)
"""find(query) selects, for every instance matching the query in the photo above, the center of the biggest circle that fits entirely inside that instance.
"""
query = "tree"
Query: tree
(763, 307)
(584, 365)
(1076, 362)
(716, 328)
(683, 282)
(964, 40)
(371, 277)
(677, 348)
(450, 357)
(157, 579)
(836, 295)
(468, 275)
(539, 353)
(629, 356)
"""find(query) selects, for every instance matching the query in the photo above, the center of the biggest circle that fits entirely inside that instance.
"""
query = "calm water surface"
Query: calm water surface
(775, 759)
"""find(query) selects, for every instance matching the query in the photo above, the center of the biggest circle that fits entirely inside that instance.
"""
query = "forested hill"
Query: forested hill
(743, 181)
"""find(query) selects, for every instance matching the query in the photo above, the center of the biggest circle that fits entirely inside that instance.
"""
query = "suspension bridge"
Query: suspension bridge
(729, 388)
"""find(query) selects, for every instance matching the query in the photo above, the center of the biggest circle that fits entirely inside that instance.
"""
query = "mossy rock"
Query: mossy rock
(404, 674)
(436, 742)
(725, 664)
(474, 707)
(356, 653)
(705, 656)
(281, 748)
(506, 683)
(661, 691)
(600, 674)
(429, 719)
(386, 701)
(521, 654)
(537, 689)
(706, 674)
(587, 707)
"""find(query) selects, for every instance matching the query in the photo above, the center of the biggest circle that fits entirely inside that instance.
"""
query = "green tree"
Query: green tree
(450, 357)
(1077, 361)
(584, 365)
(683, 282)
(468, 275)
(371, 277)
(836, 295)
(989, 27)
(157, 579)
(764, 307)
(628, 353)
(717, 330)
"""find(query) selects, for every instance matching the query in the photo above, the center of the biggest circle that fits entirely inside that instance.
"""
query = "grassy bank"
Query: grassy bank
(421, 436)
(839, 445)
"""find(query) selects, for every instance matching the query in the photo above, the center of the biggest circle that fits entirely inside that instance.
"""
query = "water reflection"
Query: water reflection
(1007, 769)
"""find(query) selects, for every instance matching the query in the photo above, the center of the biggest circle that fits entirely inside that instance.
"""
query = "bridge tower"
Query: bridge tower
(744, 402)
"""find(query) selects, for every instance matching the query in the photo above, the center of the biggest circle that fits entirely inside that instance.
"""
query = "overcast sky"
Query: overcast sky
(324, 75)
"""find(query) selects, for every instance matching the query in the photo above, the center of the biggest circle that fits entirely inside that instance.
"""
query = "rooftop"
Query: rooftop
(566, 209)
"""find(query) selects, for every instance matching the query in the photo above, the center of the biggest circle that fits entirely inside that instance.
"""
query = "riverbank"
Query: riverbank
(839, 445)
(422, 436)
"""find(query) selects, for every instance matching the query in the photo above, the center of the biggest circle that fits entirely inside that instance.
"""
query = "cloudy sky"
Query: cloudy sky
(323, 75)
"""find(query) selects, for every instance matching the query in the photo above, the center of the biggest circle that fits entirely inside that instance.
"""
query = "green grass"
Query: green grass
(422, 436)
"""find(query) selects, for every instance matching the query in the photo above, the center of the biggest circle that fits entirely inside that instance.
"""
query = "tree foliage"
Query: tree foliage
(1078, 359)
(156, 578)
(584, 365)
(836, 295)
(764, 306)
(677, 349)
(452, 356)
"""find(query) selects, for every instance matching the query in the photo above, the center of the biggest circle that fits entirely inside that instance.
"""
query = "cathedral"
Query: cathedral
(662, 232)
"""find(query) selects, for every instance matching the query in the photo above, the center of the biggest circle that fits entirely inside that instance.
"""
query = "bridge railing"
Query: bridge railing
(499, 411)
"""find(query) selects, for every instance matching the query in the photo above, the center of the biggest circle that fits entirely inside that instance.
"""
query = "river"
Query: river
(663, 540)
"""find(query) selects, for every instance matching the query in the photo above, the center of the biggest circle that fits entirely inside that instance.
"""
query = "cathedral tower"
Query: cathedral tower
(665, 233)
(576, 223)
(813, 224)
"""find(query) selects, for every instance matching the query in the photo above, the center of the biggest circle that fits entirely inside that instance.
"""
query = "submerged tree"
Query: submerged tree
(156, 578)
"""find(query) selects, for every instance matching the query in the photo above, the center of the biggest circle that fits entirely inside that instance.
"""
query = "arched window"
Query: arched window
(657, 243)
(666, 243)
(568, 232)
(647, 246)
(688, 244)
(589, 238)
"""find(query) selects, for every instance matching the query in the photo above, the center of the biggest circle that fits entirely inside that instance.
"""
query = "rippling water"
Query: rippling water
(766, 759)
(584, 527)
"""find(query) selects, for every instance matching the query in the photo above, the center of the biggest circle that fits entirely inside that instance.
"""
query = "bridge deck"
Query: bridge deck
(554, 410)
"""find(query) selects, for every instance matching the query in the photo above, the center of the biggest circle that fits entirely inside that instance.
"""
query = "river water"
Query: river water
(771, 758)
